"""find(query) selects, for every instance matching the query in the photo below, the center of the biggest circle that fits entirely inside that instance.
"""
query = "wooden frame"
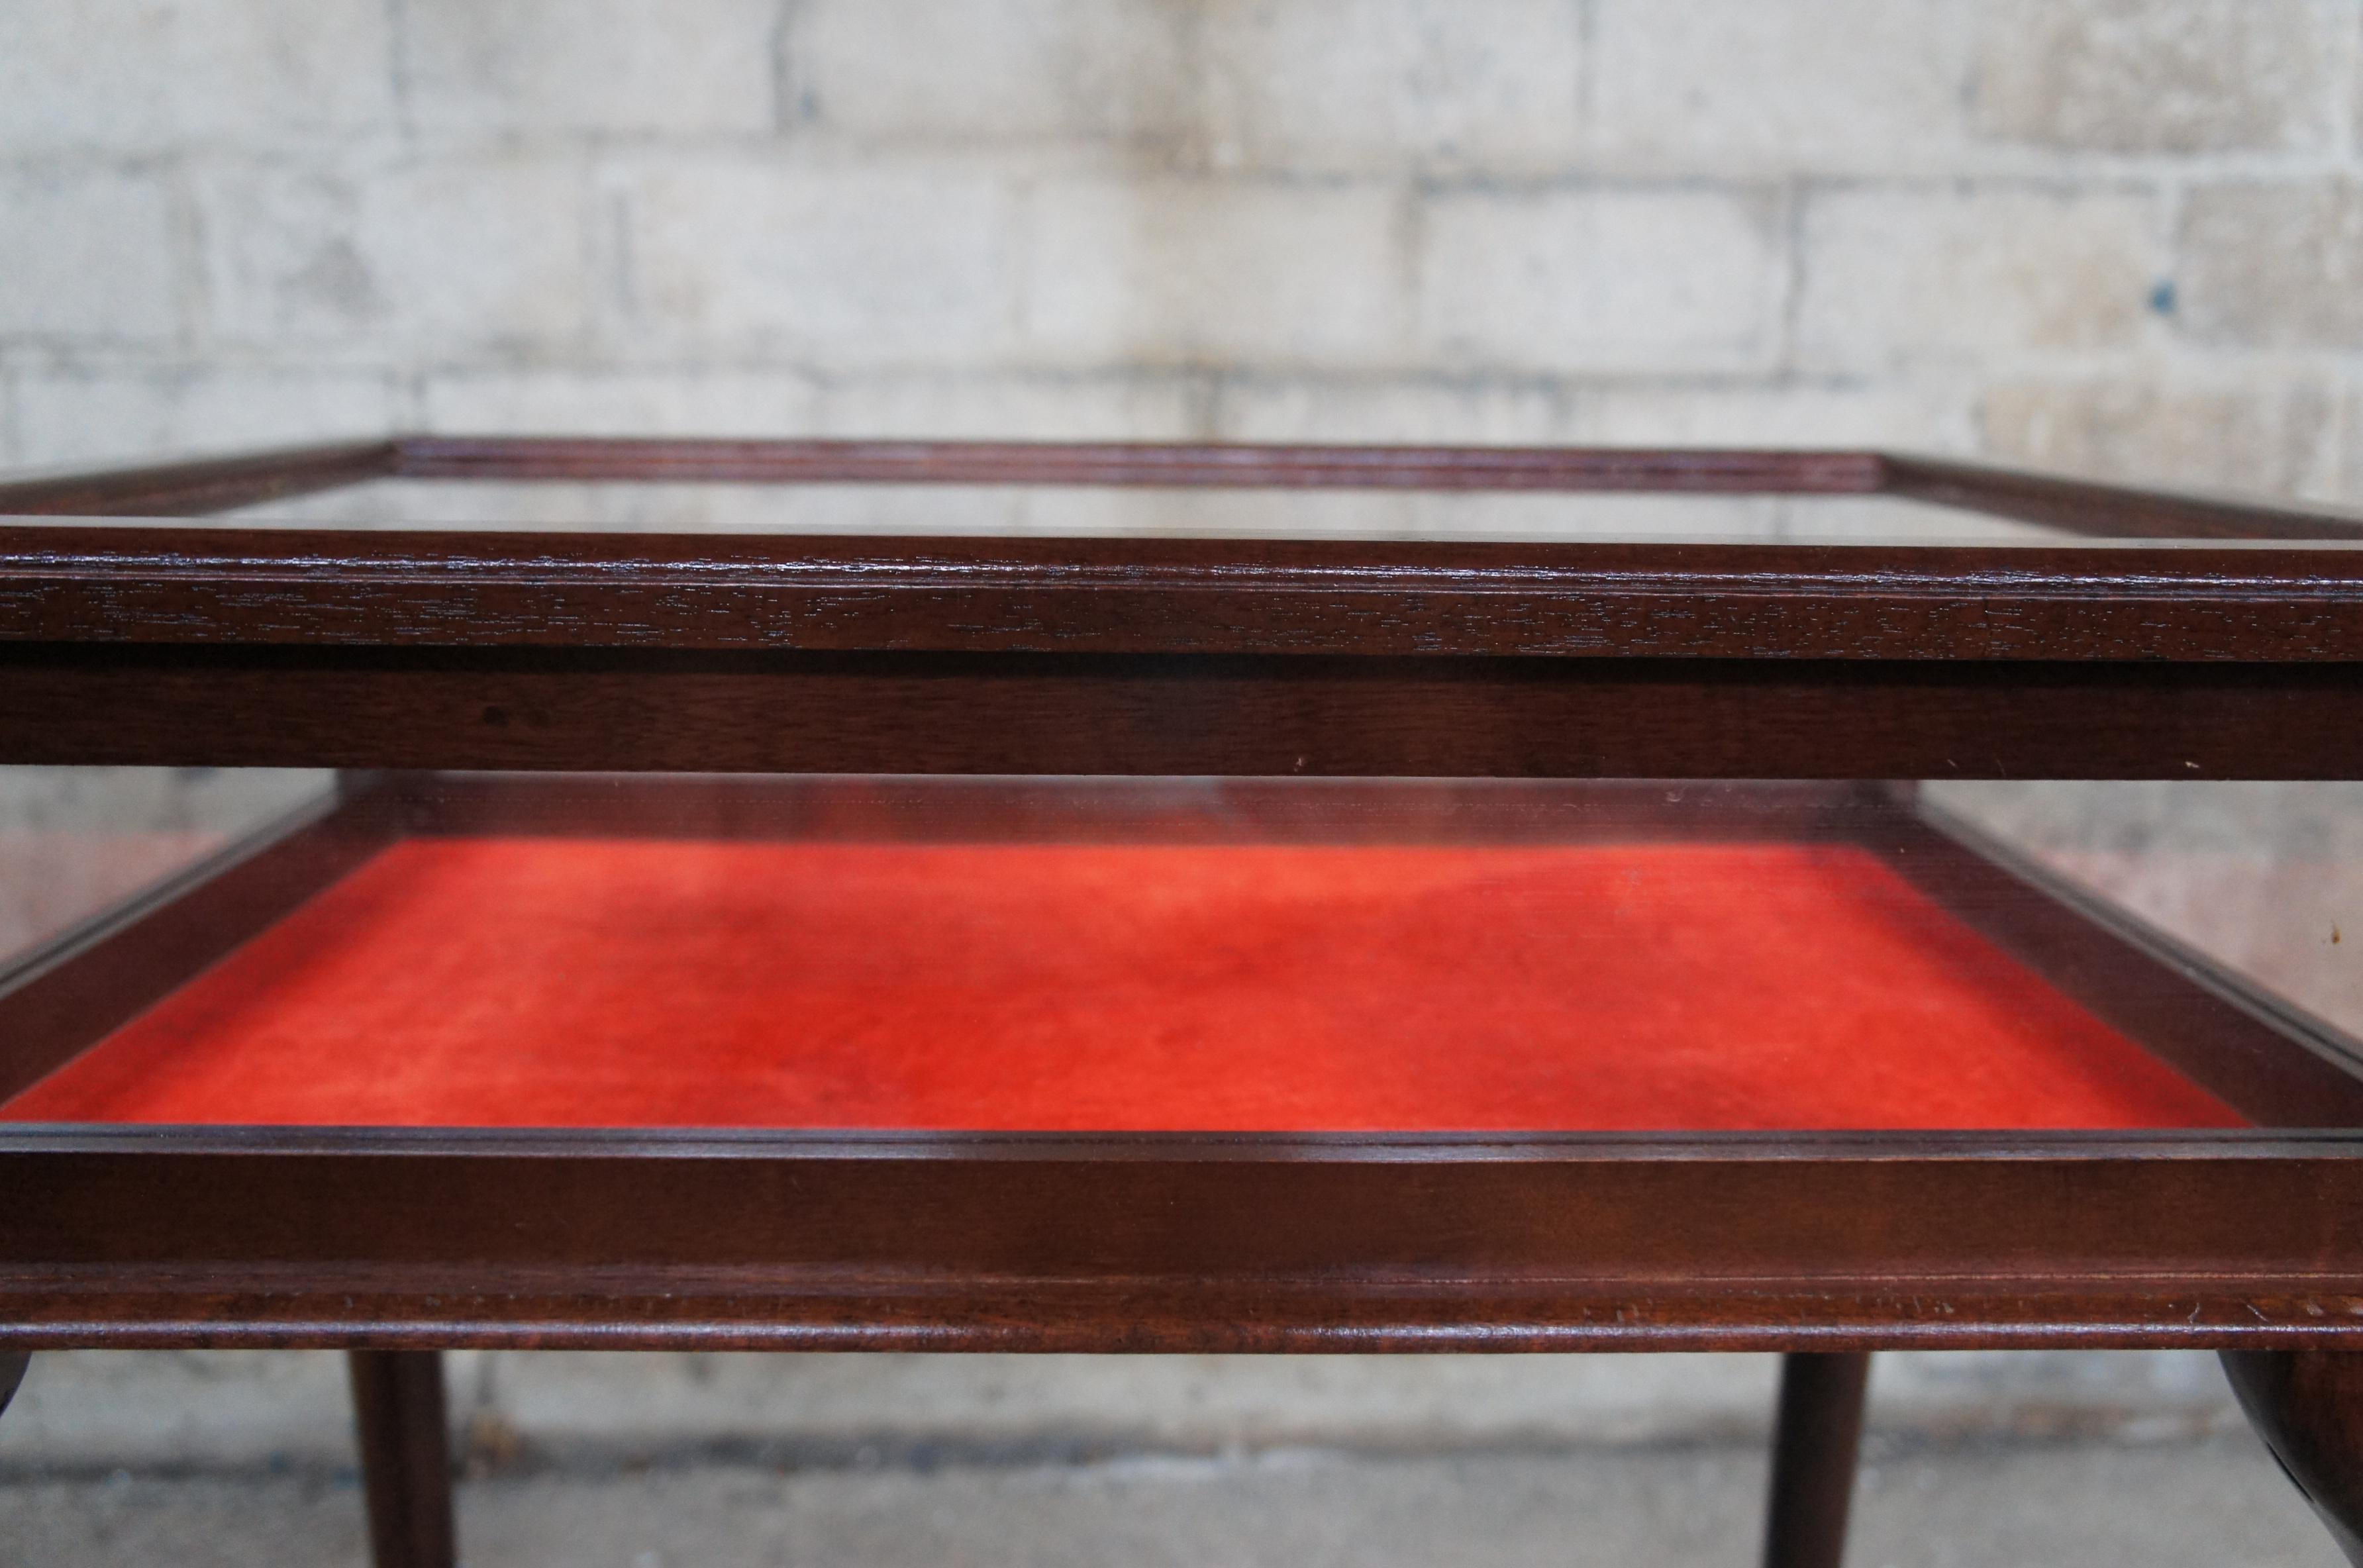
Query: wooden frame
(368, 650)
(655, 1238)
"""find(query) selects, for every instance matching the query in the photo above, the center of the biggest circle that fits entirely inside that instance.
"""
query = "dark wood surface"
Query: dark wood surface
(134, 1237)
(401, 1426)
(1817, 1430)
(163, 1236)
(199, 485)
(240, 646)
(1077, 714)
(949, 808)
(1197, 465)
(2308, 1407)
(553, 652)
(392, 589)
(2085, 506)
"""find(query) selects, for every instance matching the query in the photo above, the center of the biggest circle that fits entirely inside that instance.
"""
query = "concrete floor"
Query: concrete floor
(2216, 1502)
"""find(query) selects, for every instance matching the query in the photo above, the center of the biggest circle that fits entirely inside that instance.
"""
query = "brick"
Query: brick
(2346, 477)
(1370, 84)
(2266, 434)
(1589, 279)
(1165, 272)
(1049, 406)
(439, 257)
(154, 75)
(1414, 410)
(2158, 76)
(594, 401)
(1723, 86)
(87, 255)
(2277, 265)
(526, 66)
(115, 415)
(1895, 275)
(992, 70)
(855, 266)
(1924, 414)
(1088, 406)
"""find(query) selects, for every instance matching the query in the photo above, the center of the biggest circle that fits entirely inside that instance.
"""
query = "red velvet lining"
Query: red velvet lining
(567, 982)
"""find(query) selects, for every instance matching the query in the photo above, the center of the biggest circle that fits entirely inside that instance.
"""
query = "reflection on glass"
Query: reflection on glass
(914, 954)
(2266, 879)
(1091, 511)
(75, 842)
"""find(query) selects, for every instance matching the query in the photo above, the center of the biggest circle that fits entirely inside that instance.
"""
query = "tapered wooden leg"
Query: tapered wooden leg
(2308, 1407)
(12, 1373)
(405, 1457)
(1813, 1442)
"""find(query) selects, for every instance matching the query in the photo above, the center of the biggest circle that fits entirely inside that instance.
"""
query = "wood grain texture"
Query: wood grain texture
(543, 652)
(1038, 714)
(2308, 1407)
(201, 485)
(1382, 597)
(1817, 1430)
(1197, 465)
(2084, 506)
(920, 809)
(1178, 1242)
(401, 1427)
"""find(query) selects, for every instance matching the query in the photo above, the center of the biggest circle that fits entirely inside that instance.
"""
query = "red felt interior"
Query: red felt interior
(619, 982)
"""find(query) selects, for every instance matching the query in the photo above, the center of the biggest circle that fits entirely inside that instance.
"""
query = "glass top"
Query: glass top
(933, 488)
(1098, 511)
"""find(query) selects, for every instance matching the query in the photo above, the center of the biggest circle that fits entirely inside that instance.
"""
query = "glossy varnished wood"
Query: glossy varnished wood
(1197, 465)
(159, 1235)
(392, 589)
(1816, 1429)
(1005, 808)
(556, 651)
(1175, 714)
(1178, 1242)
(2084, 506)
(401, 1427)
(201, 485)
(2308, 1407)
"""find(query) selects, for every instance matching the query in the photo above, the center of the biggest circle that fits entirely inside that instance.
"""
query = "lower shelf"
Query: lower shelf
(617, 981)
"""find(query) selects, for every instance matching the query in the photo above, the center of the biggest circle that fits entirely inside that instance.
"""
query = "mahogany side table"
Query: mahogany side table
(1227, 938)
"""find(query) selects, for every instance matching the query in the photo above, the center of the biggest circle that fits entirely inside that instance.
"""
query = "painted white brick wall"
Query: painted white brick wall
(1246, 271)
(1981, 275)
(1378, 87)
(2045, 228)
(1636, 279)
(1813, 89)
